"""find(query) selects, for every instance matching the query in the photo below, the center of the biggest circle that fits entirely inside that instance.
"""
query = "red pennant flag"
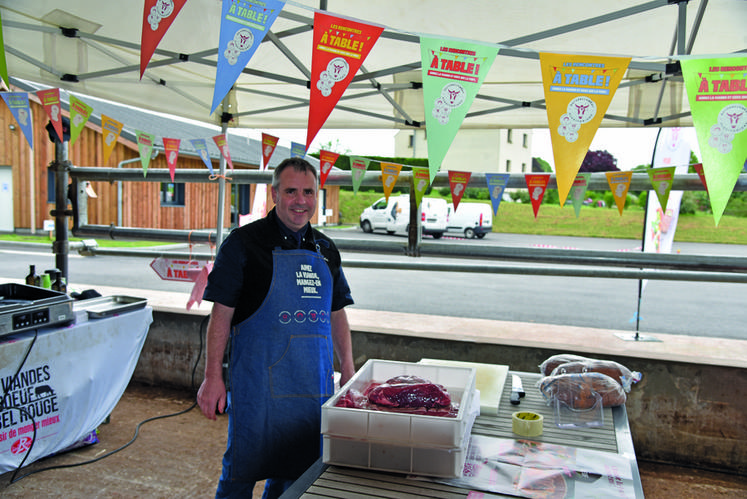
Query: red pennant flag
(269, 143)
(50, 99)
(222, 143)
(171, 148)
(340, 46)
(157, 18)
(537, 185)
(699, 169)
(326, 162)
(458, 183)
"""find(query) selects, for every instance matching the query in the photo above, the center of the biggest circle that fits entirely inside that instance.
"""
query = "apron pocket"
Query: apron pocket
(304, 370)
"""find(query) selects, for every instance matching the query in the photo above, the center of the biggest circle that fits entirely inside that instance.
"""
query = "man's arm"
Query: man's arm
(212, 394)
(342, 343)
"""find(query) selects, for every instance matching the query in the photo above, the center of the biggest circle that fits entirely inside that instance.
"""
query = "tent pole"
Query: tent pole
(221, 192)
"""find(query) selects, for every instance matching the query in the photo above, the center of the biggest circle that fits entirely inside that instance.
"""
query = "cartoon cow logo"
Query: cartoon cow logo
(581, 109)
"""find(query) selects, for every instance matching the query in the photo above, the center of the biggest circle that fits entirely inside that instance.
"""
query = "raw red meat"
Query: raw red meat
(409, 391)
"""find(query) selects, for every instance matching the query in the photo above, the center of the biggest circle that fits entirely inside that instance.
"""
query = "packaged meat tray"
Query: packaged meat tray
(402, 428)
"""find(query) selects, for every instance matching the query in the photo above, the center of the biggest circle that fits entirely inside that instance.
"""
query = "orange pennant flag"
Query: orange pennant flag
(458, 183)
(327, 160)
(389, 174)
(619, 184)
(537, 185)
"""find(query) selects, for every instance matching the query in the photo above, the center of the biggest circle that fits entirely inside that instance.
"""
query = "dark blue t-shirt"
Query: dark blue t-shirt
(242, 272)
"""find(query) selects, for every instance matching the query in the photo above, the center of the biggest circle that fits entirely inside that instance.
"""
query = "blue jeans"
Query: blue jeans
(243, 490)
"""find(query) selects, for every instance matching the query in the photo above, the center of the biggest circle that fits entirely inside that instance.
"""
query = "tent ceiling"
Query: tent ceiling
(103, 56)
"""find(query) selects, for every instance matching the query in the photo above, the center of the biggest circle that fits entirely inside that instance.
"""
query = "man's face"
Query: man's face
(295, 198)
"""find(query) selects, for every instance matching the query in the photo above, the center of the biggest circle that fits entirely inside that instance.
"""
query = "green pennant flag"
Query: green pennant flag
(453, 72)
(661, 183)
(421, 179)
(358, 167)
(578, 190)
(145, 143)
(79, 114)
(718, 102)
(3, 62)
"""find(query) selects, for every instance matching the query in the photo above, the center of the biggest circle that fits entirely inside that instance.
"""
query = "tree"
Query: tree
(599, 161)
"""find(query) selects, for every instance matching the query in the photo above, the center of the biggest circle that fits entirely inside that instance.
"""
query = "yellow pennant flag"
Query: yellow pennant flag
(619, 184)
(578, 91)
(110, 131)
(389, 174)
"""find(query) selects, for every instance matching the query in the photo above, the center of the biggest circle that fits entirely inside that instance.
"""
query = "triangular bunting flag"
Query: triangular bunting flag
(661, 183)
(340, 45)
(422, 179)
(222, 142)
(79, 114)
(496, 186)
(110, 131)
(453, 72)
(297, 150)
(718, 103)
(458, 184)
(358, 167)
(243, 26)
(145, 146)
(157, 18)
(269, 143)
(537, 185)
(3, 62)
(578, 91)
(50, 99)
(389, 174)
(698, 167)
(327, 160)
(619, 183)
(578, 190)
(18, 103)
(200, 146)
(171, 149)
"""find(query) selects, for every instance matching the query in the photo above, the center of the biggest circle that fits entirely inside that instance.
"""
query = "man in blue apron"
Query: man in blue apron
(278, 294)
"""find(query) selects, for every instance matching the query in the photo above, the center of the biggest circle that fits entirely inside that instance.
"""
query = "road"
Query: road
(671, 307)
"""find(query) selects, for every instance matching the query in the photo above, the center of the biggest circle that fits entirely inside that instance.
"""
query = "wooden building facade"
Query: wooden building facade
(187, 206)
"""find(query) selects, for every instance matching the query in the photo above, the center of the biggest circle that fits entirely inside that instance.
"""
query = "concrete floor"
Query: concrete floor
(180, 457)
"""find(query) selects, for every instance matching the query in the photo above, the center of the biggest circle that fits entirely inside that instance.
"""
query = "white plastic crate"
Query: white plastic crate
(407, 443)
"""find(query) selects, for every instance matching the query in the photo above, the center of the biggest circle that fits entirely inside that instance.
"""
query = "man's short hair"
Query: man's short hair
(298, 164)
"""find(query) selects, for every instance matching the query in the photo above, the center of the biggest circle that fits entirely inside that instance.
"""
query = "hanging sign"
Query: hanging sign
(171, 149)
(578, 190)
(297, 150)
(389, 174)
(578, 91)
(170, 269)
(358, 167)
(222, 142)
(157, 18)
(79, 114)
(453, 72)
(243, 26)
(327, 160)
(50, 100)
(269, 143)
(201, 147)
(537, 185)
(145, 143)
(619, 183)
(18, 103)
(717, 93)
(110, 132)
(422, 179)
(496, 187)
(458, 184)
(340, 45)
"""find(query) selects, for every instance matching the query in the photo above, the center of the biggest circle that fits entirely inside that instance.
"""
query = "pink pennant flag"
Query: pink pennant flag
(222, 143)
(458, 183)
(171, 148)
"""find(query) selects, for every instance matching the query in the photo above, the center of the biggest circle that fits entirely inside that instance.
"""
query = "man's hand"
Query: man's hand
(212, 397)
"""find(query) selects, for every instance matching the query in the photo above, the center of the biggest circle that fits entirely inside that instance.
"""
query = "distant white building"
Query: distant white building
(495, 150)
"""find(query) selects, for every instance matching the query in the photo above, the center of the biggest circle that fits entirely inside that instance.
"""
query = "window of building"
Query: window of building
(510, 136)
(172, 194)
(523, 168)
(411, 141)
(508, 165)
(525, 141)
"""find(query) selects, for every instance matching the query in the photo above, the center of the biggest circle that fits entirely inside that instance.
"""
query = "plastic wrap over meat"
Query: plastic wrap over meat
(408, 394)
(409, 391)
(578, 390)
(613, 369)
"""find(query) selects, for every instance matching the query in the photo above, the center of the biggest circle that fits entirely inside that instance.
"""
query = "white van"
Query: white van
(394, 216)
(470, 219)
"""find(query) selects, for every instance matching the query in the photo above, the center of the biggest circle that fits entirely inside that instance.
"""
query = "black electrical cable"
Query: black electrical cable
(137, 428)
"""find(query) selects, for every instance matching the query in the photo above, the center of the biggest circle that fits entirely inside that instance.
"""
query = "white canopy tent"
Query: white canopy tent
(93, 47)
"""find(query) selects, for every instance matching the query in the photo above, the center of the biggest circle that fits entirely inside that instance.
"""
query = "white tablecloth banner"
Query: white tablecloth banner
(71, 381)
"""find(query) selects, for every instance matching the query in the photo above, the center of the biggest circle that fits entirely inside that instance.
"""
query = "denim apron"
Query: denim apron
(280, 373)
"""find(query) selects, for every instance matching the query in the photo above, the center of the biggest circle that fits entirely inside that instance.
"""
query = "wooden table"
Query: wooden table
(322, 480)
